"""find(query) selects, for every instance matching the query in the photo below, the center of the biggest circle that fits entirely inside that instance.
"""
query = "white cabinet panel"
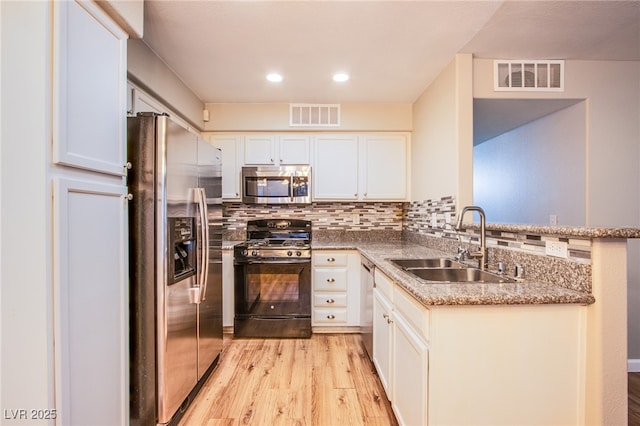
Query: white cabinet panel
(90, 302)
(276, 150)
(385, 160)
(335, 172)
(382, 339)
(294, 149)
(232, 148)
(409, 374)
(260, 149)
(89, 89)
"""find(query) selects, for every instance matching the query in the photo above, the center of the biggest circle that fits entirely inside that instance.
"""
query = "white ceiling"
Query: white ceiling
(222, 50)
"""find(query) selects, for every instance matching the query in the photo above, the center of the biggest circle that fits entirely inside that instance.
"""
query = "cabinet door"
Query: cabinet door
(91, 311)
(384, 166)
(90, 102)
(382, 334)
(293, 149)
(335, 167)
(409, 372)
(231, 146)
(259, 149)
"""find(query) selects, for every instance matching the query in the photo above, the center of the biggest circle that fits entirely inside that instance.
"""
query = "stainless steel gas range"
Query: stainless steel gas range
(272, 272)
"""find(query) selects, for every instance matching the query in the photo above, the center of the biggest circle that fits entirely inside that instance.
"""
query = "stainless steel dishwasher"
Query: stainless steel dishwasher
(366, 304)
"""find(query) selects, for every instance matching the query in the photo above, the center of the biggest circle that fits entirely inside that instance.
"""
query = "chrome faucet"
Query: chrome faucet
(481, 255)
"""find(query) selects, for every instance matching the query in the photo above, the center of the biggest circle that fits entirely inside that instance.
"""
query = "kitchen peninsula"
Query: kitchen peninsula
(547, 349)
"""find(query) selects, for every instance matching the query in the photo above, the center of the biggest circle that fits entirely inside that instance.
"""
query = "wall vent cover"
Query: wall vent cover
(528, 75)
(314, 115)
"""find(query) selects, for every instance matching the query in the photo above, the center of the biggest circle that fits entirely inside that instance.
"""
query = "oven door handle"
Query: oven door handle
(286, 261)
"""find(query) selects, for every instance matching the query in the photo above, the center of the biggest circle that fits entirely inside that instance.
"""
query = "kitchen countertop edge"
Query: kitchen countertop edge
(518, 293)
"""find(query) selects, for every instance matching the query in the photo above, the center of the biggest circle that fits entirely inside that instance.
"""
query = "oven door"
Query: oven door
(273, 298)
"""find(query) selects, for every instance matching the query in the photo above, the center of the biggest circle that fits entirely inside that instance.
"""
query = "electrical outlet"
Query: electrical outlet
(434, 219)
(557, 249)
(356, 218)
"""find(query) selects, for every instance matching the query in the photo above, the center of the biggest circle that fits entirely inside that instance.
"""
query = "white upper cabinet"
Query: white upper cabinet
(373, 167)
(276, 150)
(232, 147)
(335, 168)
(90, 54)
(385, 167)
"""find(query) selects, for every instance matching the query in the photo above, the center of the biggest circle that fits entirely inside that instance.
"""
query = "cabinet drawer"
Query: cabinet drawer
(330, 300)
(329, 258)
(384, 284)
(330, 316)
(412, 311)
(330, 279)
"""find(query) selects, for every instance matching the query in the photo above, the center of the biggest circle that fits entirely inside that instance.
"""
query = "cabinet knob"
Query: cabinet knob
(331, 280)
(331, 316)
(331, 301)
(331, 259)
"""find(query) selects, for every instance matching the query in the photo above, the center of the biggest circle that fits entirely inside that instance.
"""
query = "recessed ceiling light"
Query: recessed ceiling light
(340, 77)
(274, 77)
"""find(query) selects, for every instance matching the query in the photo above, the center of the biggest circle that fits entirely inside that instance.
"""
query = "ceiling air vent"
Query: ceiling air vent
(528, 76)
(314, 115)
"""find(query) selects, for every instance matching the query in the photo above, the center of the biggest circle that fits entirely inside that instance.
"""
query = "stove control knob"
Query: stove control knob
(254, 252)
(245, 252)
(298, 253)
(289, 253)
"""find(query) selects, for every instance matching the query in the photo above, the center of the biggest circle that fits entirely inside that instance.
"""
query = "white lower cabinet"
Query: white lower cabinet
(479, 364)
(336, 288)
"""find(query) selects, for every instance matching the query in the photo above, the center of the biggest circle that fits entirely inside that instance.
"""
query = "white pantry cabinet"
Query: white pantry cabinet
(336, 288)
(276, 150)
(382, 338)
(89, 90)
(89, 216)
(370, 167)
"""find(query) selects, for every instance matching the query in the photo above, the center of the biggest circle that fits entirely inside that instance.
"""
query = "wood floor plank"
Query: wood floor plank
(322, 381)
(634, 399)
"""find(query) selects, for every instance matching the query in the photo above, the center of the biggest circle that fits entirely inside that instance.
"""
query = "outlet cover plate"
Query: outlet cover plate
(557, 249)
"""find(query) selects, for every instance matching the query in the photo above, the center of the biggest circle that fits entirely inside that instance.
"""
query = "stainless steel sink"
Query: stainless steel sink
(466, 275)
(407, 264)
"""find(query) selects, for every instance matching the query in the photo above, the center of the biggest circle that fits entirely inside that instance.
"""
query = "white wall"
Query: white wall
(612, 93)
(535, 166)
(25, 228)
(442, 140)
(145, 68)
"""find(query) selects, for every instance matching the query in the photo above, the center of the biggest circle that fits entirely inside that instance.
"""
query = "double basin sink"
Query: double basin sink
(446, 270)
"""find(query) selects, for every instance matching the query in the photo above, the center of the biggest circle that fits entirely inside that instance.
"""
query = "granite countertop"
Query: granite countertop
(525, 292)
(564, 231)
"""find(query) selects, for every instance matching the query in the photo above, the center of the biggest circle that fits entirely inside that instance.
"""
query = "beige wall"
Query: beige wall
(275, 117)
(612, 94)
(442, 140)
(146, 69)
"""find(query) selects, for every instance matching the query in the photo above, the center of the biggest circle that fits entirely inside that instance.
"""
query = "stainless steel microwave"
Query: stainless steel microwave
(276, 185)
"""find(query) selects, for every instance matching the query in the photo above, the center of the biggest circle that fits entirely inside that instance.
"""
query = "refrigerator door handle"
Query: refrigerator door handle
(204, 235)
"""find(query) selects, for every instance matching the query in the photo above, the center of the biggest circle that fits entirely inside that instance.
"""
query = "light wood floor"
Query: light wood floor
(325, 380)
(634, 399)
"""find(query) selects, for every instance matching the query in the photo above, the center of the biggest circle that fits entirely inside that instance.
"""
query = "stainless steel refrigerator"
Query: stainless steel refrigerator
(175, 249)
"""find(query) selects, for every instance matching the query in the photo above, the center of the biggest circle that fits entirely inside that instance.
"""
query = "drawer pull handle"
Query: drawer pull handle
(331, 280)
(331, 259)
(331, 301)
(386, 316)
(331, 316)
